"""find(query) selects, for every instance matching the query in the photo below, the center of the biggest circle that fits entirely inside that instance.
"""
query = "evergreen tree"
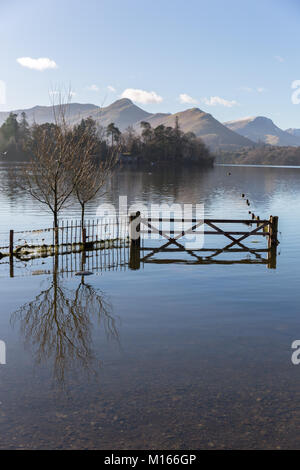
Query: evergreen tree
(10, 128)
(114, 132)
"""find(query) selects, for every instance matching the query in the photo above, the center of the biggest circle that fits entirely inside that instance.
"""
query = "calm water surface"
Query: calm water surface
(171, 356)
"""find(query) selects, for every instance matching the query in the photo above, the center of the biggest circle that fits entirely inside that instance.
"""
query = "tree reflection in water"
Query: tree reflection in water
(58, 325)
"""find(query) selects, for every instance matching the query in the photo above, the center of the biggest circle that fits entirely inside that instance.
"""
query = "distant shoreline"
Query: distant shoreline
(257, 165)
(146, 166)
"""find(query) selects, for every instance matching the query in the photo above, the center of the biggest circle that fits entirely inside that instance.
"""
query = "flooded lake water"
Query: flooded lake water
(169, 356)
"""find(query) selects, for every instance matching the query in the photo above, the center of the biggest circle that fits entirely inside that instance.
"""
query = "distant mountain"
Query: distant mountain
(122, 112)
(262, 129)
(41, 114)
(125, 113)
(295, 132)
(204, 125)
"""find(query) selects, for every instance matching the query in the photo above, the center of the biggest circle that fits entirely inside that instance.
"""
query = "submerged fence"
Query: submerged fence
(70, 234)
(101, 242)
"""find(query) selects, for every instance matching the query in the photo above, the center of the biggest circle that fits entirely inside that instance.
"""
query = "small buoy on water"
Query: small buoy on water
(83, 273)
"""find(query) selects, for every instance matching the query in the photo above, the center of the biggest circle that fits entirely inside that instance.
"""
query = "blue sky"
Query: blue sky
(233, 59)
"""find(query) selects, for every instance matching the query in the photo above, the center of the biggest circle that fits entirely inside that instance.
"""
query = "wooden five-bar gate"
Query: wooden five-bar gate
(140, 225)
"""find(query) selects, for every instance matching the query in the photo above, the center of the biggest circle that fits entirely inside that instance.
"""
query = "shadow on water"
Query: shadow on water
(58, 323)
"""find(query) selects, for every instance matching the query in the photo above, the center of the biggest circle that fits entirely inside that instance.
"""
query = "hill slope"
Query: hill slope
(122, 112)
(262, 129)
(295, 132)
(204, 125)
(42, 114)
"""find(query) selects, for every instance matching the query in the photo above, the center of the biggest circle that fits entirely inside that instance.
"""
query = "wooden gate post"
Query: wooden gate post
(273, 230)
(272, 257)
(273, 242)
(135, 240)
(135, 257)
(134, 229)
(11, 253)
(11, 243)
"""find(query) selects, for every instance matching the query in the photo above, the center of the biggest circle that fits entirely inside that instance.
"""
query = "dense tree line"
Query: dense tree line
(18, 139)
(160, 144)
(164, 144)
(262, 155)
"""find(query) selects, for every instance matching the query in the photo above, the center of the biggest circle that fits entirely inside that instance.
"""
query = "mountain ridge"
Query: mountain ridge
(205, 126)
(231, 135)
(293, 131)
(41, 114)
(261, 129)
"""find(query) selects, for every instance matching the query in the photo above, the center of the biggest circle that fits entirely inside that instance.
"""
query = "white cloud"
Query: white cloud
(217, 101)
(40, 64)
(111, 88)
(187, 99)
(93, 88)
(141, 96)
(261, 89)
(279, 58)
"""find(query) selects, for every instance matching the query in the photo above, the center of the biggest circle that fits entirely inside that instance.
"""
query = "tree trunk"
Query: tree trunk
(56, 228)
(82, 220)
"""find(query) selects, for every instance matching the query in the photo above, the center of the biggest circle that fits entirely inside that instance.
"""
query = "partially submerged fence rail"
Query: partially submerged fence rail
(70, 235)
(102, 233)
(113, 232)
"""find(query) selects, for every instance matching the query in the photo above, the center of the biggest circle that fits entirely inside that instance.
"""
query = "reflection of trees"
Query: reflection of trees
(58, 325)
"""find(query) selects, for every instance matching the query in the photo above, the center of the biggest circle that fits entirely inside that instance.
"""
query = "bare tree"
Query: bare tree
(66, 160)
(51, 148)
(91, 170)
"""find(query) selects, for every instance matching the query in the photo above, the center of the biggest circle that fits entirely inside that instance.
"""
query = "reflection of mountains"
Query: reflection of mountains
(58, 326)
(170, 184)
